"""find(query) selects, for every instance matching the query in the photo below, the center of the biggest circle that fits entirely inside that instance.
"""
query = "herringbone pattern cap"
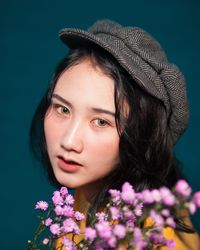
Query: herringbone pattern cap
(144, 59)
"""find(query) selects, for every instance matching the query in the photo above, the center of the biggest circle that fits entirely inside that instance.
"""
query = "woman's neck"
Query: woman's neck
(90, 191)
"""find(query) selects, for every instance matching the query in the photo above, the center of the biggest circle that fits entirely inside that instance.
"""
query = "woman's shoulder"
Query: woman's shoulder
(183, 241)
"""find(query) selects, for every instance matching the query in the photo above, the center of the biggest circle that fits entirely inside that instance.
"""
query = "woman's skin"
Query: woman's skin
(80, 129)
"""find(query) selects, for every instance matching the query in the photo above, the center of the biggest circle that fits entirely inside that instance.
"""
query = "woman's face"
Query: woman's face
(80, 130)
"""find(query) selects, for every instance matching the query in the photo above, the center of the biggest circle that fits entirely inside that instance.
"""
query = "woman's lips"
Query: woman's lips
(68, 165)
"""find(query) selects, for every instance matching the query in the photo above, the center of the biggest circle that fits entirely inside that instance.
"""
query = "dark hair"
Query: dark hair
(146, 148)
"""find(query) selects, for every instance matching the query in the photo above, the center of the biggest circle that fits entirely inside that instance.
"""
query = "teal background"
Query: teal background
(29, 51)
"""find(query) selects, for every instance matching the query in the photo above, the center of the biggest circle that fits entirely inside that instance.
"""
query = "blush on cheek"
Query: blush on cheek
(107, 150)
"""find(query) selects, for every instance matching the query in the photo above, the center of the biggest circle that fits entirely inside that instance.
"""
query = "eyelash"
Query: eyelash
(100, 119)
(59, 109)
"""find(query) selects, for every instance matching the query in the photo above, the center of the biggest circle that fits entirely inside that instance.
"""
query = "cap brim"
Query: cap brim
(75, 38)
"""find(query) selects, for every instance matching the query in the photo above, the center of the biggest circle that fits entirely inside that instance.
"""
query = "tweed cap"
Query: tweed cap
(144, 59)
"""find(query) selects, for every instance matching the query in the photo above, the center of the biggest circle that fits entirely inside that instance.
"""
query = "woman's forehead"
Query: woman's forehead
(86, 84)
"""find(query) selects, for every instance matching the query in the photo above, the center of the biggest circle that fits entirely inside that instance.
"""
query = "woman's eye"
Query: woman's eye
(61, 109)
(101, 122)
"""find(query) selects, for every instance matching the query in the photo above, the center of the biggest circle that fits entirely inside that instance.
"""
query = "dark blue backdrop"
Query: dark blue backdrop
(30, 49)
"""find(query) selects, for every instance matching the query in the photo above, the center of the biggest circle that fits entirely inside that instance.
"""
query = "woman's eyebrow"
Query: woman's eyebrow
(97, 110)
(105, 111)
(58, 97)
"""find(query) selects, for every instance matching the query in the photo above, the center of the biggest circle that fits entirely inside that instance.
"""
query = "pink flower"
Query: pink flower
(101, 216)
(115, 195)
(69, 200)
(68, 211)
(156, 195)
(165, 212)
(147, 196)
(115, 213)
(55, 229)
(79, 216)
(138, 209)
(170, 244)
(157, 218)
(112, 242)
(170, 222)
(183, 188)
(90, 233)
(128, 193)
(104, 230)
(63, 191)
(119, 231)
(196, 199)
(48, 222)
(58, 210)
(128, 214)
(167, 197)
(45, 241)
(69, 226)
(156, 238)
(138, 241)
(57, 198)
(42, 205)
(68, 244)
(137, 233)
(192, 207)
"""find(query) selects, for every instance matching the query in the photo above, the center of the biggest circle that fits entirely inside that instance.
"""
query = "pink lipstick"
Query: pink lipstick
(68, 165)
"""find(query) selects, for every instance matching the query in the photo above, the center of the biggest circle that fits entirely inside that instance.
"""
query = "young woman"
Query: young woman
(112, 113)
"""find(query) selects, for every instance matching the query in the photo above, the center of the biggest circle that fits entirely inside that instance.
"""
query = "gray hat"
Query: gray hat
(144, 59)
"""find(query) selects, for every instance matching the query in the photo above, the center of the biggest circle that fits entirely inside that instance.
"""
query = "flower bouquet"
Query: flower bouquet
(130, 220)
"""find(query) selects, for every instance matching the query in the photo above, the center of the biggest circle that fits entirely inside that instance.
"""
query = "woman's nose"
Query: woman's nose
(72, 138)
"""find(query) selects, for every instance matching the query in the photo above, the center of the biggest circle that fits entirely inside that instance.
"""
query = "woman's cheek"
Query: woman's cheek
(105, 147)
(52, 130)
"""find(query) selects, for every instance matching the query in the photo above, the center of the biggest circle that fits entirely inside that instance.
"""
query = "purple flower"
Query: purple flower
(79, 216)
(170, 244)
(196, 199)
(128, 214)
(58, 210)
(167, 197)
(57, 198)
(69, 200)
(138, 242)
(170, 222)
(68, 211)
(165, 212)
(112, 242)
(156, 195)
(63, 191)
(156, 238)
(115, 195)
(68, 244)
(45, 241)
(128, 193)
(104, 230)
(191, 207)
(101, 216)
(115, 213)
(48, 222)
(42, 205)
(69, 226)
(90, 234)
(130, 224)
(138, 209)
(157, 218)
(183, 188)
(55, 229)
(147, 196)
(119, 231)
(137, 233)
